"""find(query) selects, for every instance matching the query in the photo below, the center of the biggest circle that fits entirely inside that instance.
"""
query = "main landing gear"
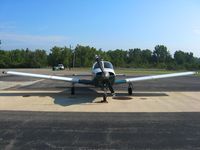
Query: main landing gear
(72, 90)
(130, 89)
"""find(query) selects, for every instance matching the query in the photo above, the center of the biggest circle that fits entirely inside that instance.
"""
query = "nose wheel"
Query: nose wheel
(105, 89)
(104, 98)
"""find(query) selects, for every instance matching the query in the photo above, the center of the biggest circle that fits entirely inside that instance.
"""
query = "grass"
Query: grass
(129, 71)
(198, 74)
(134, 71)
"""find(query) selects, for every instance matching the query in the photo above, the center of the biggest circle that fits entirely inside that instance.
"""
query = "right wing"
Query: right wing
(136, 79)
(67, 79)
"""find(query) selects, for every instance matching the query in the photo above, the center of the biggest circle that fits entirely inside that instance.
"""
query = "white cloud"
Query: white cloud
(196, 31)
(32, 38)
(5, 27)
(13, 40)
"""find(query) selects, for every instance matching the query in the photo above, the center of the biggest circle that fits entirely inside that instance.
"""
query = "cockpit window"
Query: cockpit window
(106, 65)
(96, 65)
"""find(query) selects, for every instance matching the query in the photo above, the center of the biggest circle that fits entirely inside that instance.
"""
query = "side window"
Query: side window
(96, 66)
(106, 65)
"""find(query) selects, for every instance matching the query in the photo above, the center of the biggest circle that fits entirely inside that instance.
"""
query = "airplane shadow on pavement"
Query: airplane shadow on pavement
(83, 95)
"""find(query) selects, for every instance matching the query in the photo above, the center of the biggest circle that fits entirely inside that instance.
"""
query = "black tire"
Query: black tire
(104, 98)
(72, 90)
(130, 91)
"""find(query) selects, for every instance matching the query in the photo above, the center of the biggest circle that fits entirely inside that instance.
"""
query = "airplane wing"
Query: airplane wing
(136, 79)
(83, 74)
(67, 79)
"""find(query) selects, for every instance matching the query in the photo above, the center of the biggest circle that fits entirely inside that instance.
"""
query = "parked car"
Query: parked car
(58, 67)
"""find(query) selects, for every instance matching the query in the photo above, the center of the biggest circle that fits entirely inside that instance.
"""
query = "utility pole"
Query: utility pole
(74, 56)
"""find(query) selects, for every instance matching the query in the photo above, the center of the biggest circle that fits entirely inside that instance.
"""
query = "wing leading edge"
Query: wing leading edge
(136, 79)
(67, 79)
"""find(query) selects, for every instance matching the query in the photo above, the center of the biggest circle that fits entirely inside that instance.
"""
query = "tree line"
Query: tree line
(83, 56)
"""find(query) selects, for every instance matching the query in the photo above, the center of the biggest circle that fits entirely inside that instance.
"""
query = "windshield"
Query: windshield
(96, 65)
(106, 65)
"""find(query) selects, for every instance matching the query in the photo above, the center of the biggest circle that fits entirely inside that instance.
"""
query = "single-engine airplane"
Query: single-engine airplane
(103, 76)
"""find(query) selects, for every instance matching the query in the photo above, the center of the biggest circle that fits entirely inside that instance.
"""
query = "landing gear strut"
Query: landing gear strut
(130, 89)
(105, 89)
(104, 96)
(72, 90)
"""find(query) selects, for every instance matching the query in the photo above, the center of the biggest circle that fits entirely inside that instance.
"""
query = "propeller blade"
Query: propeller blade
(100, 64)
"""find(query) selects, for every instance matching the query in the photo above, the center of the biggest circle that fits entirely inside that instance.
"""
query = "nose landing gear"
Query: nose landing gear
(104, 98)
(104, 95)
(105, 89)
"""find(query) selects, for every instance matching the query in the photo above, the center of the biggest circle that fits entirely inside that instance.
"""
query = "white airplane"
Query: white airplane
(103, 76)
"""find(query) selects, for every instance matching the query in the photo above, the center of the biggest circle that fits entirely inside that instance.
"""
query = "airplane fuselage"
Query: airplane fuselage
(99, 78)
(103, 76)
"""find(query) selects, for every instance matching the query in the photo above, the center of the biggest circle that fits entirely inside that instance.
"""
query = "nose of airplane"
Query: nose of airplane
(107, 74)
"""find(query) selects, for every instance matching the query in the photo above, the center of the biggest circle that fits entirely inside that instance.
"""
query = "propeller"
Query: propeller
(100, 64)
(105, 74)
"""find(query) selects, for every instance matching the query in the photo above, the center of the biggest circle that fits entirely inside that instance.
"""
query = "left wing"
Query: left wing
(67, 79)
(136, 79)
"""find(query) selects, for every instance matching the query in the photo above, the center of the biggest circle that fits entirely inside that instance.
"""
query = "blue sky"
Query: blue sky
(106, 24)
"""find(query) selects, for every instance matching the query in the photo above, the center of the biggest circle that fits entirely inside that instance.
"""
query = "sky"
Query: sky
(105, 24)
